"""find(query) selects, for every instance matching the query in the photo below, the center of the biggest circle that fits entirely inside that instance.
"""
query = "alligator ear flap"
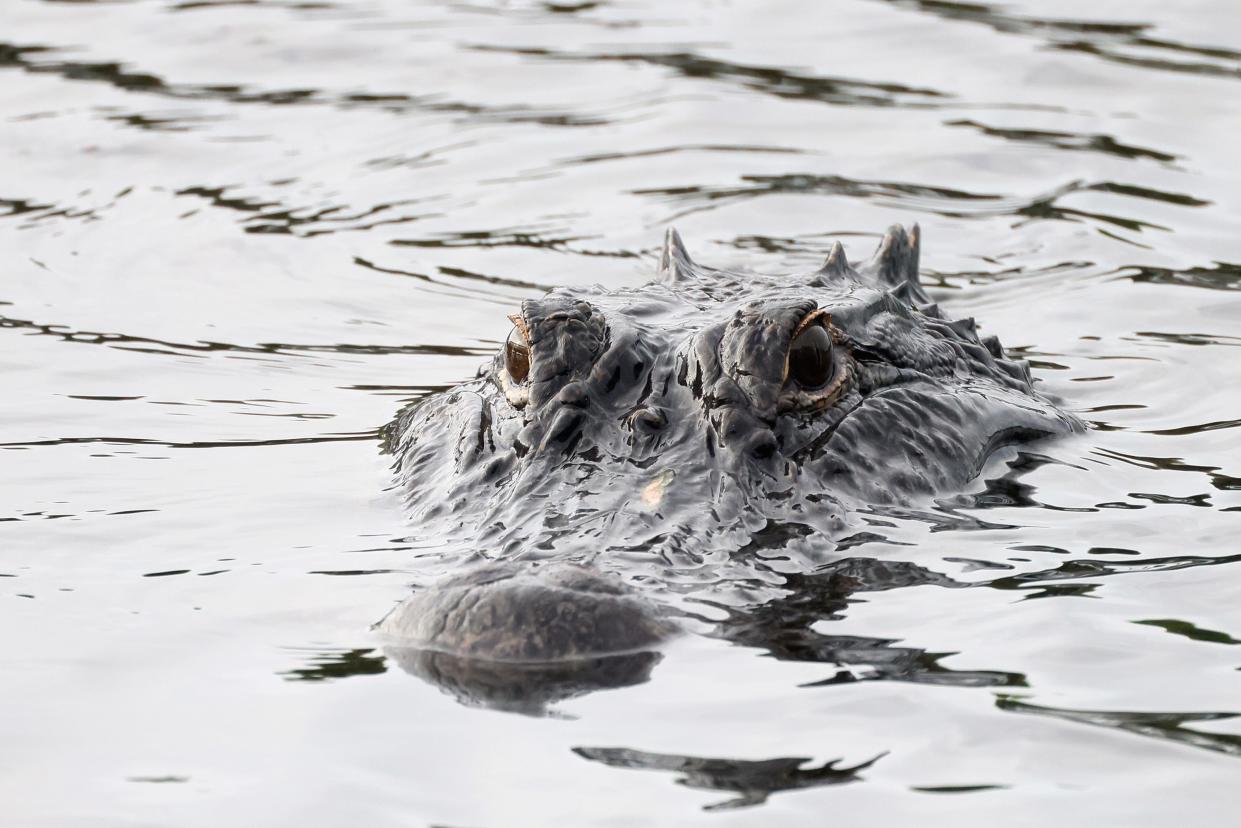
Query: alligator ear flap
(895, 264)
(675, 265)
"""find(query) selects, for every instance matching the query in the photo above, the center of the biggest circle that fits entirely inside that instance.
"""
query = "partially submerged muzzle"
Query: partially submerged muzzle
(528, 613)
(522, 636)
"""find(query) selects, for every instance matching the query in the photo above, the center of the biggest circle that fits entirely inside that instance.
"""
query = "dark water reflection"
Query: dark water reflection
(530, 689)
(283, 220)
(1168, 726)
(752, 781)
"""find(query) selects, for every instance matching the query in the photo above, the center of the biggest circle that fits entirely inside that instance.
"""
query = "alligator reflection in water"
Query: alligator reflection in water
(752, 780)
(523, 687)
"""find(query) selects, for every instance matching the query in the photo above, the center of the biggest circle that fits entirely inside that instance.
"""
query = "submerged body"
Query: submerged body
(683, 426)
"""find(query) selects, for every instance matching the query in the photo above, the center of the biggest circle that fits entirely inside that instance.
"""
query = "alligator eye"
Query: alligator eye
(810, 357)
(816, 372)
(517, 356)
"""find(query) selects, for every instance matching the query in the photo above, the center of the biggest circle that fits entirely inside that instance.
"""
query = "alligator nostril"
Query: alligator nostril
(648, 420)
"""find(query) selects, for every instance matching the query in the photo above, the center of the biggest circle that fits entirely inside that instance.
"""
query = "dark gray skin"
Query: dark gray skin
(663, 437)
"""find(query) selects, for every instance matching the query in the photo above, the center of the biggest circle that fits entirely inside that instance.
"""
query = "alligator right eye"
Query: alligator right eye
(810, 361)
(517, 356)
(517, 350)
(816, 369)
(810, 357)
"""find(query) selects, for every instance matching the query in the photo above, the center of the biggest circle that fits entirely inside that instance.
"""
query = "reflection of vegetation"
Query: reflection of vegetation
(1223, 482)
(1072, 141)
(1221, 276)
(944, 201)
(1188, 630)
(753, 781)
(1009, 490)
(954, 789)
(787, 628)
(1078, 569)
(334, 664)
(767, 80)
(1060, 591)
(1167, 726)
(791, 628)
(1131, 44)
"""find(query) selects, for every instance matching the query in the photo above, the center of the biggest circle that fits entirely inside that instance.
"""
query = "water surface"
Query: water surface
(240, 235)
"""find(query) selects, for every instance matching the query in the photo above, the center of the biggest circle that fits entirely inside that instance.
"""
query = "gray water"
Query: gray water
(239, 235)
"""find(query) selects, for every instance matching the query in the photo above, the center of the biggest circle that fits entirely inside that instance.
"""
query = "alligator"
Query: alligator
(714, 432)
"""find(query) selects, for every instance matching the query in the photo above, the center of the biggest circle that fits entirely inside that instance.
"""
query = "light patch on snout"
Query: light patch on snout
(653, 492)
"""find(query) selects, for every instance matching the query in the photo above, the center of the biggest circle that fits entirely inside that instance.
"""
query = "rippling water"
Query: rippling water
(240, 234)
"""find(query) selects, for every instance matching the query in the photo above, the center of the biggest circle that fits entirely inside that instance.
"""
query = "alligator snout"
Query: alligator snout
(528, 613)
(521, 636)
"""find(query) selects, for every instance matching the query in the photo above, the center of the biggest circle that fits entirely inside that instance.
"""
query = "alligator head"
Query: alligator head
(653, 434)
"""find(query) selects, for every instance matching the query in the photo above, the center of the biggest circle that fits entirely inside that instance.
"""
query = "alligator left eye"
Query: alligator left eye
(517, 356)
(810, 357)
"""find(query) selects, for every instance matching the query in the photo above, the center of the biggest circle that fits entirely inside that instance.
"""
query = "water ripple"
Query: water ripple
(782, 83)
(1129, 44)
(35, 58)
(203, 348)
